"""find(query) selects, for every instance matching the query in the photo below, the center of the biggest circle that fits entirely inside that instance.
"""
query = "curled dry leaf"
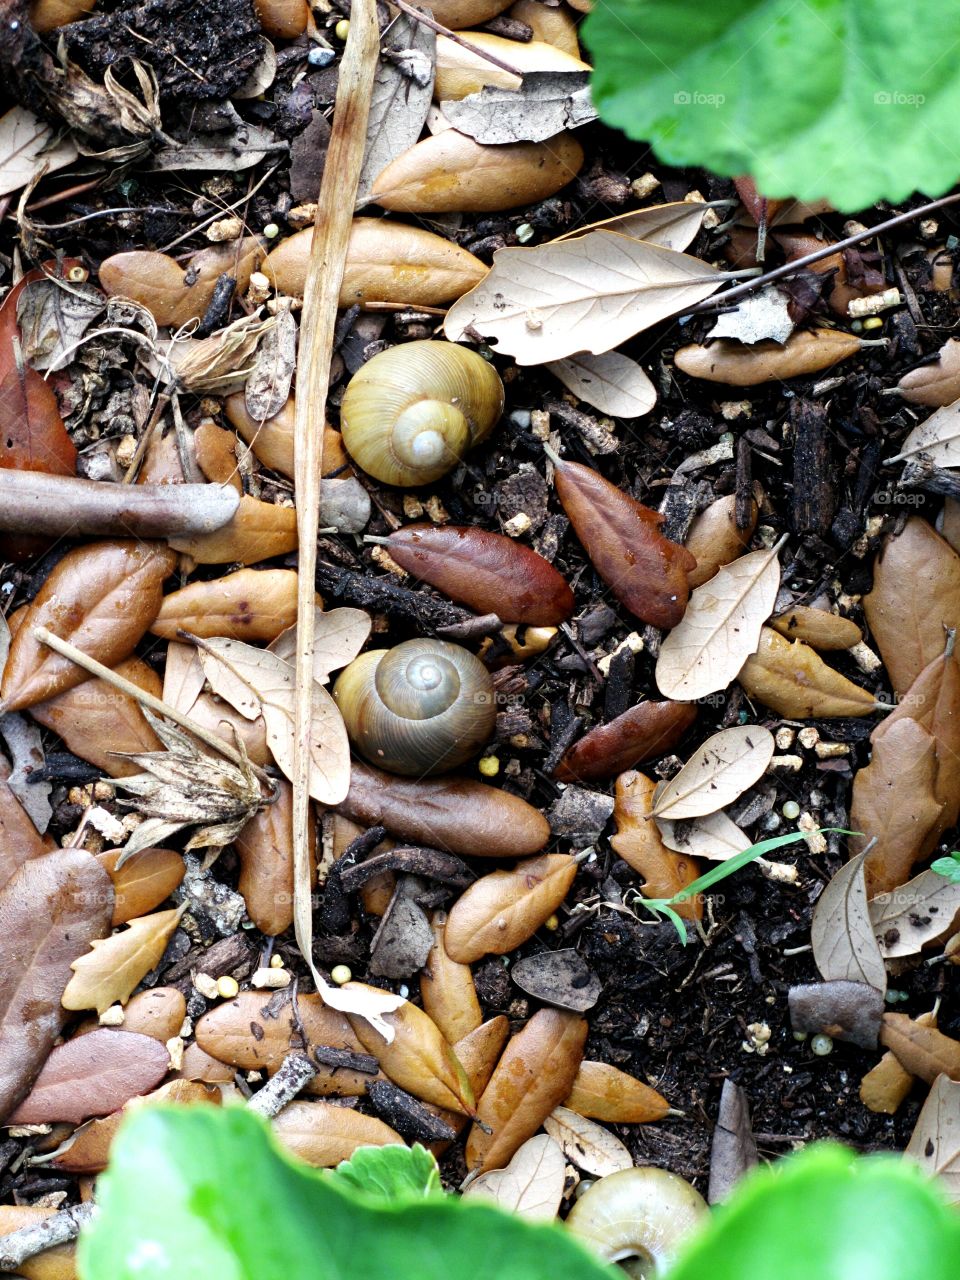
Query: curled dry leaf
(97, 721)
(268, 384)
(109, 972)
(850, 1011)
(610, 382)
(531, 1184)
(160, 284)
(586, 1143)
(323, 1134)
(144, 881)
(589, 294)
(937, 383)
(714, 836)
(456, 14)
(793, 680)
(844, 945)
(715, 775)
(252, 604)
(644, 570)
(457, 814)
(886, 1085)
(101, 597)
(505, 908)
(894, 803)
(935, 1141)
(915, 596)
(485, 571)
(386, 262)
(817, 627)
(643, 732)
(671, 226)
(559, 978)
(51, 908)
(926, 909)
(265, 850)
(602, 1092)
(258, 531)
(461, 72)
(924, 1051)
(739, 365)
(547, 103)
(715, 538)
(447, 990)
(27, 148)
(449, 172)
(216, 452)
(534, 1075)
(418, 1058)
(197, 1065)
(283, 19)
(93, 1075)
(639, 843)
(720, 627)
(338, 637)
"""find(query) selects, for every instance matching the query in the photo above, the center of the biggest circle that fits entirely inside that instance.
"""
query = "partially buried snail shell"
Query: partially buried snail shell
(422, 707)
(412, 412)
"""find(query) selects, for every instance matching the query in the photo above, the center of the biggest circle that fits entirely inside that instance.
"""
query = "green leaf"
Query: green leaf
(826, 1214)
(852, 100)
(395, 1174)
(948, 867)
(202, 1193)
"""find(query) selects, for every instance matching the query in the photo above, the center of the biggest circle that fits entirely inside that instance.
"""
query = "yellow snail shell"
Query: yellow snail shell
(423, 707)
(637, 1214)
(412, 412)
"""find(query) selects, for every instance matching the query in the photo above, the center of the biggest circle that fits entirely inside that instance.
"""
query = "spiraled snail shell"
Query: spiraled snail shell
(420, 708)
(640, 1214)
(412, 412)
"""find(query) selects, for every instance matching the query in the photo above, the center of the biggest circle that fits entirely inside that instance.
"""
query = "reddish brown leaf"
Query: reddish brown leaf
(19, 838)
(265, 850)
(644, 570)
(158, 1012)
(146, 879)
(102, 598)
(485, 571)
(646, 730)
(51, 909)
(93, 1075)
(638, 843)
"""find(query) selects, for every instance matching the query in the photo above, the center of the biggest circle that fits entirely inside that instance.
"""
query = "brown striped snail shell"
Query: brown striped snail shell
(423, 707)
(411, 413)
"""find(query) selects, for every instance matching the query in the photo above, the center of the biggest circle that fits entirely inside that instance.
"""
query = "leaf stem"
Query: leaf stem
(457, 39)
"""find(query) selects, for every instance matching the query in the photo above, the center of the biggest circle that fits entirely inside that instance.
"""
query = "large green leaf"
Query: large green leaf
(204, 1194)
(852, 100)
(828, 1215)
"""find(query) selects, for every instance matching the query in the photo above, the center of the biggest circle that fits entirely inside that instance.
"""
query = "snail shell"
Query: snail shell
(640, 1214)
(422, 707)
(412, 412)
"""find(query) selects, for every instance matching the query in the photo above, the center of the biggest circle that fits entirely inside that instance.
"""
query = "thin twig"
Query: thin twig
(59, 1228)
(455, 36)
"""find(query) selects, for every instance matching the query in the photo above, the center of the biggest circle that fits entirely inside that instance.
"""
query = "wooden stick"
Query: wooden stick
(59, 1228)
(33, 502)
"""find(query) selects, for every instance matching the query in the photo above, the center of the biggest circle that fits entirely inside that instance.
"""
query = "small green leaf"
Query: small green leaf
(852, 100)
(948, 867)
(395, 1174)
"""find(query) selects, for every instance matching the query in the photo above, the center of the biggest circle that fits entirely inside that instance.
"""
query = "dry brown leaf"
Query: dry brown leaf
(323, 1134)
(220, 718)
(182, 677)
(817, 627)
(926, 909)
(934, 384)
(893, 802)
(531, 1184)
(51, 908)
(639, 844)
(720, 628)
(158, 1012)
(418, 1058)
(794, 681)
(27, 146)
(144, 881)
(915, 596)
(553, 26)
(602, 1092)
(338, 637)
(258, 531)
(715, 538)
(460, 71)
(935, 1141)
(716, 774)
(19, 838)
(714, 836)
(586, 1143)
(610, 382)
(645, 731)
(197, 1065)
(110, 971)
(844, 945)
(97, 721)
(737, 365)
(265, 850)
(671, 226)
(101, 597)
(159, 283)
(505, 908)
(924, 1051)
(447, 990)
(886, 1085)
(253, 605)
(93, 1075)
(589, 294)
(534, 1075)
(215, 447)
(938, 438)
(733, 1151)
(58, 1263)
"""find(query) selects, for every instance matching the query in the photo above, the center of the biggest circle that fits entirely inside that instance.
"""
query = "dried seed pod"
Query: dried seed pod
(461, 72)
(817, 627)
(714, 538)
(794, 681)
(640, 1213)
(411, 413)
(644, 731)
(485, 571)
(422, 707)
(386, 262)
(738, 365)
(450, 173)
